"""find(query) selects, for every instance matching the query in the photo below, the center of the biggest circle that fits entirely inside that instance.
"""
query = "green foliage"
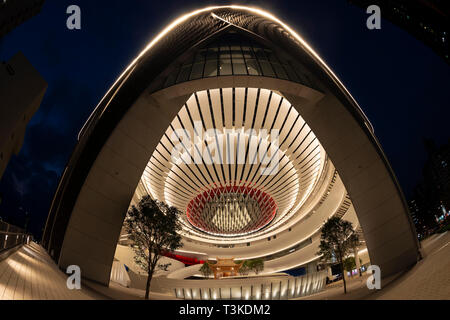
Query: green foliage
(206, 270)
(255, 265)
(349, 264)
(153, 227)
(337, 241)
(245, 268)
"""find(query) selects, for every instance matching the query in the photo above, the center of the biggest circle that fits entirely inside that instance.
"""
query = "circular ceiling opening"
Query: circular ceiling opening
(231, 211)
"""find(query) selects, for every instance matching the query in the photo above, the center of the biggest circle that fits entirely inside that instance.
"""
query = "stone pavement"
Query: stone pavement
(30, 274)
(429, 279)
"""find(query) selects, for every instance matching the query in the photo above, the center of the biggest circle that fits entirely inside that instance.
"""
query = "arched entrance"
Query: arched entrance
(94, 194)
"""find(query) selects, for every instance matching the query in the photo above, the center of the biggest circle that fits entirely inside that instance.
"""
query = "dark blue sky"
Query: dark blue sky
(402, 86)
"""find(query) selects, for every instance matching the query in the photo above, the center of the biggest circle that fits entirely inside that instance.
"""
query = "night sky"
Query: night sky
(401, 85)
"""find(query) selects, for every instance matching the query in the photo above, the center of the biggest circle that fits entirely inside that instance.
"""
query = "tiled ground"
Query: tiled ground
(30, 274)
(428, 279)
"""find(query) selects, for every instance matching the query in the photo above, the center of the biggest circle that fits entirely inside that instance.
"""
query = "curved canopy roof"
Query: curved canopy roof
(83, 195)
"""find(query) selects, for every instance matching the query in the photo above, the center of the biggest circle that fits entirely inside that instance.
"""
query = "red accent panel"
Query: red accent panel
(265, 201)
(183, 259)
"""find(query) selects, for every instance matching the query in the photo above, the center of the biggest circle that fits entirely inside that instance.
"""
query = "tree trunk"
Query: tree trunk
(343, 277)
(147, 287)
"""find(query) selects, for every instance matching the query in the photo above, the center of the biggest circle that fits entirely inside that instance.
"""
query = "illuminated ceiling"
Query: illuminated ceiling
(280, 158)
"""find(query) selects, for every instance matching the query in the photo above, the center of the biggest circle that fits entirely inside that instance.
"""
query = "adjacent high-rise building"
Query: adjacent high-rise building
(21, 91)
(426, 20)
(15, 12)
(430, 204)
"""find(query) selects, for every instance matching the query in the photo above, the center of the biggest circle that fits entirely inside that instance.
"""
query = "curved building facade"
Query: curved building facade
(231, 117)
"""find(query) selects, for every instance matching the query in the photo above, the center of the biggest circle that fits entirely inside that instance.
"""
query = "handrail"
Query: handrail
(12, 236)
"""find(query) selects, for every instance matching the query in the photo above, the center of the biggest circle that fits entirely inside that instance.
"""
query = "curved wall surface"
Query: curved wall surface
(119, 138)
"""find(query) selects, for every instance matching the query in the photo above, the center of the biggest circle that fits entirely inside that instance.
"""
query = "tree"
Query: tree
(349, 264)
(153, 227)
(337, 241)
(256, 265)
(245, 267)
(206, 270)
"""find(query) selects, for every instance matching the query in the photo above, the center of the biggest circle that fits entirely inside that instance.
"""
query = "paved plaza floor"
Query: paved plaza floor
(30, 274)
(429, 279)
